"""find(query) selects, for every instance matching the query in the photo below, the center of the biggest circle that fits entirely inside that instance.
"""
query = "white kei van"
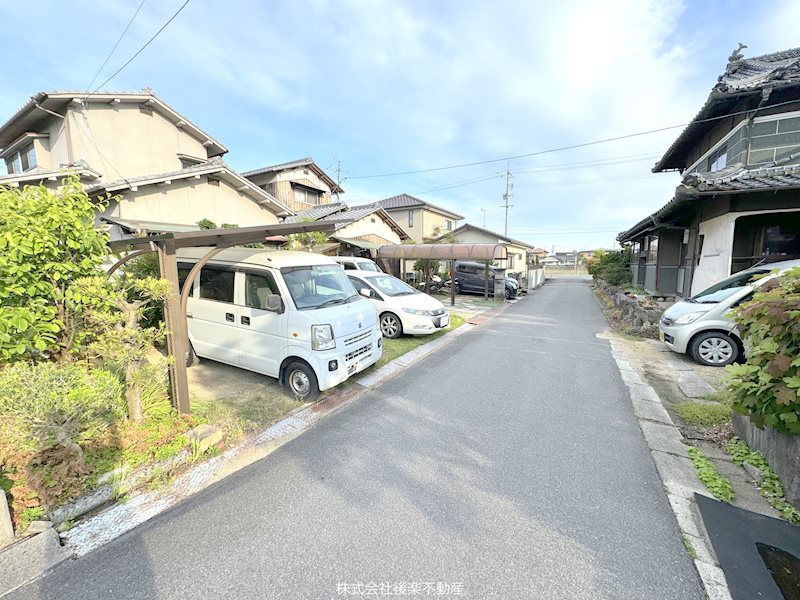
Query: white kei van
(294, 316)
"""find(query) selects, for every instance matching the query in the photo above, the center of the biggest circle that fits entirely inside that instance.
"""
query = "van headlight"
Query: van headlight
(688, 318)
(322, 337)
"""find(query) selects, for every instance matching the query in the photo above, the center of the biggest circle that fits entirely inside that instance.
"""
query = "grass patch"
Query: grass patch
(771, 487)
(239, 416)
(703, 415)
(715, 483)
(394, 348)
(689, 547)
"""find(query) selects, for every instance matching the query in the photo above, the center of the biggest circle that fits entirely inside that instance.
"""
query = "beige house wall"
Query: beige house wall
(371, 225)
(120, 140)
(280, 185)
(431, 220)
(516, 265)
(189, 201)
(400, 215)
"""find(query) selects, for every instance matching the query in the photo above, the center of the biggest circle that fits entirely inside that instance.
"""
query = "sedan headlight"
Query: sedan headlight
(322, 337)
(688, 318)
(416, 311)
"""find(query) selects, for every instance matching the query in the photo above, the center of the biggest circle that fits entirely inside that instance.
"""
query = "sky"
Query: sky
(373, 88)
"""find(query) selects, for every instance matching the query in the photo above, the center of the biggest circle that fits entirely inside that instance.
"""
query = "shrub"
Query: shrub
(704, 415)
(767, 386)
(47, 240)
(611, 267)
(46, 412)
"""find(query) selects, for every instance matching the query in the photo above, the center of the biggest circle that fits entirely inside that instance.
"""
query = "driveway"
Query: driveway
(509, 465)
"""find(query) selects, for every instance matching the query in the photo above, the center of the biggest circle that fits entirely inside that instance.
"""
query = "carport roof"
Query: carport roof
(445, 251)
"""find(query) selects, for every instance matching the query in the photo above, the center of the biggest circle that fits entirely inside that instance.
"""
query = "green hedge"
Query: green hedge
(767, 386)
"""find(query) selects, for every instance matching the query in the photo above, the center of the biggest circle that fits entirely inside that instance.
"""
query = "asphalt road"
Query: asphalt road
(509, 465)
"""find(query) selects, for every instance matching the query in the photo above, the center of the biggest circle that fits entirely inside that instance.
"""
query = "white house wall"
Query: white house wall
(370, 225)
(188, 201)
(717, 254)
(112, 137)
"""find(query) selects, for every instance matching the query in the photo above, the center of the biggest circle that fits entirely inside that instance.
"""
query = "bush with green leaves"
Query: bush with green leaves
(767, 386)
(611, 267)
(47, 240)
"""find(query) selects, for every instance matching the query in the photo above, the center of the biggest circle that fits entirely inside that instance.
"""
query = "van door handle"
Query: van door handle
(189, 316)
(229, 317)
(245, 320)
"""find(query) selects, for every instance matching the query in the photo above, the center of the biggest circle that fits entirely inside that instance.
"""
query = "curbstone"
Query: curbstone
(6, 526)
(651, 411)
(27, 559)
(691, 384)
(714, 581)
(644, 392)
(665, 438)
(678, 475)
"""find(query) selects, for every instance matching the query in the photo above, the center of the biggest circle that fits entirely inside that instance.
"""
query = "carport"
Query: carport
(166, 246)
(448, 252)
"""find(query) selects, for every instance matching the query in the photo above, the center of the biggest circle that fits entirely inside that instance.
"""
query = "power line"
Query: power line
(571, 147)
(124, 31)
(140, 50)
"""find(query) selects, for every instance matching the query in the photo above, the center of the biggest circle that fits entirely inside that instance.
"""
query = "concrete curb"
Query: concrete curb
(142, 505)
(677, 473)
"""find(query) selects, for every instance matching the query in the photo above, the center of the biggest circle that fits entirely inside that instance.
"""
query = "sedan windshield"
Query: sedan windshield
(368, 266)
(726, 288)
(318, 286)
(392, 286)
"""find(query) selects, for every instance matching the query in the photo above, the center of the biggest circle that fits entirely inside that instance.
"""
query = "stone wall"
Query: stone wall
(782, 452)
(640, 316)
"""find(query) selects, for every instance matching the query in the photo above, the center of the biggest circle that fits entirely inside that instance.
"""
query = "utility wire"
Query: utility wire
(124, 31)
(571, 147)
(140, 50)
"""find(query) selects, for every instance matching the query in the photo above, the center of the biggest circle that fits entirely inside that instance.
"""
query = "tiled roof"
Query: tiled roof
(316, 213)
(499, 236)
(742, 77)
(408, 201)
(739, 179)
(296, 164)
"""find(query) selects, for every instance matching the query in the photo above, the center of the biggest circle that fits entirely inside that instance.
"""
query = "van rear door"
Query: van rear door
(262, 333)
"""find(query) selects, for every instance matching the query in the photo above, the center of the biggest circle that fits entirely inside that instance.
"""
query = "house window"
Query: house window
(448, 225)
(718, 159)
(411, 218)
(652, 251)
(22, 160)
(306, 195)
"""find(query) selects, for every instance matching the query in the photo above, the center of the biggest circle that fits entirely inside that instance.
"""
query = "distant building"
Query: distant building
(299, 184)
(418, 218)
(518, 251)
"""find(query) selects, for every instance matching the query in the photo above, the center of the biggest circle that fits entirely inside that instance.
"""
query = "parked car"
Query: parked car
(356, 263)
(401, 308)
(469, 279)
(701, 327)
(294, 316)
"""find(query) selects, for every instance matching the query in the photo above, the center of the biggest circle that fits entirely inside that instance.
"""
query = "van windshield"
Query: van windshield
(317, 286)
(368, 266)
(726, 288)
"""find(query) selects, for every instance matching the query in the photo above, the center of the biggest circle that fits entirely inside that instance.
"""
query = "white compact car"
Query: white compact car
(401, 308)
(701, 327)
(356, 263)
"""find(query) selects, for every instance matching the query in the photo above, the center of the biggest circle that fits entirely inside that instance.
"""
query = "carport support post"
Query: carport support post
(175, 322)
(452, 283)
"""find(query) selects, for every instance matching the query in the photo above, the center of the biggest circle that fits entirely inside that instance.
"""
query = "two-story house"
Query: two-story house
(518, 252)
(739, 201)
(420, 219)
(364, 228)
(299, 184)
(165, 173)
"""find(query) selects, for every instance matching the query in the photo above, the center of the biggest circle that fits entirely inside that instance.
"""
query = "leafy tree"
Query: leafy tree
(308, 239)
(767, 386)
(430, 266)
(611, 267)
(47, 241)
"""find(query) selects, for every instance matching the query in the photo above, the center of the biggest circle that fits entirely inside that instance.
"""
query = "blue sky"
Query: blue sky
(387, 87)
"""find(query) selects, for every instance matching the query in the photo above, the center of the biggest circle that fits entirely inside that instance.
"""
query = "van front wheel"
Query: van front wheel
(301, 382)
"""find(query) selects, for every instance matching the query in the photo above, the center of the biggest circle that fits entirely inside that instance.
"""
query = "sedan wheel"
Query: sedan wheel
(714, 349)
(391, 326)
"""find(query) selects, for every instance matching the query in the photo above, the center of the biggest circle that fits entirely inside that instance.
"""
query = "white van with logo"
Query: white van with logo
(294, 316)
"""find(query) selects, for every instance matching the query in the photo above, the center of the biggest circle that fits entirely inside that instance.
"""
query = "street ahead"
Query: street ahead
(508, 465)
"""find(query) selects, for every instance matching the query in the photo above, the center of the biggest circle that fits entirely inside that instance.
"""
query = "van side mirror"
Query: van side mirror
(365, 292)
(274, 303)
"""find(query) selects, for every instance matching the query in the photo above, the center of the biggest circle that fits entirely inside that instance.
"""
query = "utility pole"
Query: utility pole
(484, 217)
(506, 196)
(338, 177)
